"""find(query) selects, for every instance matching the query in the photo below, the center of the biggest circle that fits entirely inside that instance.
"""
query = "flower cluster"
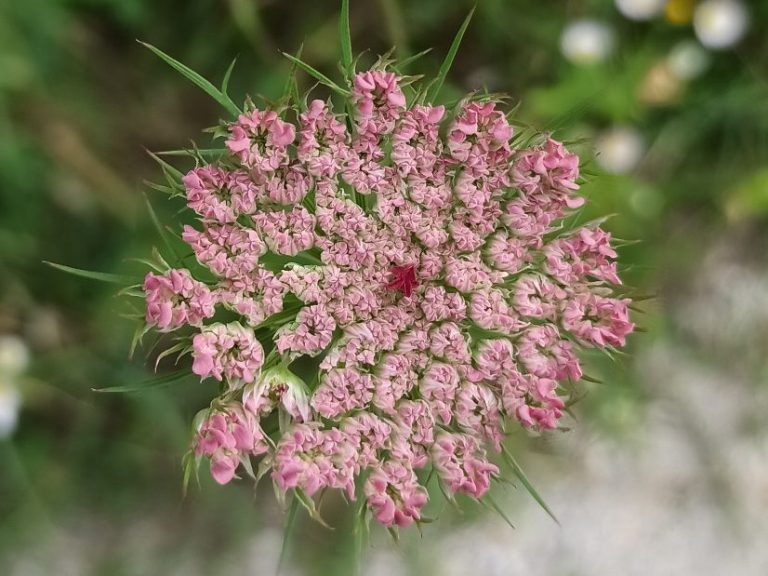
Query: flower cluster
(415, 255)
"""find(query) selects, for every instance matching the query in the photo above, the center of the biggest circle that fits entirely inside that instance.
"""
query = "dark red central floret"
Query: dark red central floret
(403, 279)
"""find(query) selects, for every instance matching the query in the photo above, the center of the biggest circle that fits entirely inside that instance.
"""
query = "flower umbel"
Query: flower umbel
(403, 290)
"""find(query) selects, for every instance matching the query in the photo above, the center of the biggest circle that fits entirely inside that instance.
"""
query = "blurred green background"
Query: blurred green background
(665, 469)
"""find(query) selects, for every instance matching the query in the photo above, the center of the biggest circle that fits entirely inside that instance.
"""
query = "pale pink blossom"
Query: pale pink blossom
(462, 465)
(228, 352)
(175, 299)
(394, 494)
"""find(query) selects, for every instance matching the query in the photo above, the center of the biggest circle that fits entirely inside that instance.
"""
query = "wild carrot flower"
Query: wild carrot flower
(411, 262)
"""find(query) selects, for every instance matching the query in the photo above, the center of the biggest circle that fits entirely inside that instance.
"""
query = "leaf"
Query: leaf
(151, 383)
(492, 503)
(167, 168)
(411, 59)
(290, 519)
(161, 230)
(227, 75)
(178, 347)
(319, 76)
(99, 276)
(196, 79)
(192, 153)
(446, 65)
(518, 471)
(291, 88)
(138, 335)
(345, 39)
(310, 507)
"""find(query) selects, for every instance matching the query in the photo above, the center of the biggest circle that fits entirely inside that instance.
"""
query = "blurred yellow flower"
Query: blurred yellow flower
(680, 11)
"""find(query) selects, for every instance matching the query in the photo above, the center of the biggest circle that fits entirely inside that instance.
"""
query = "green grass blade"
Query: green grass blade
(99, 276)
(291, 88)
(492, 503)
(446, 66)
(196, 79)
(319, 76)
(345, 39)
(227, 76)
(190, 153)
(403, 64)
(163, 233)
(518, 471)
(290, 520)
(149, 384)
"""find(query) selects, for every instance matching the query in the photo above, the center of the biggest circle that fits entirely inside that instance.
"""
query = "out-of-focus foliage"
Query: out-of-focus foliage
(79, 102)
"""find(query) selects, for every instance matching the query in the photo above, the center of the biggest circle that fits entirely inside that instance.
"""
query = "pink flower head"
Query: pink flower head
(226, 436)
(342, 390)
(544, 353)
(310, 334)
(369, 435)
(479, 137)
(537, 297)
(227, 351)
(260, 140)
(255, 296)
(394, 378)
(597, 320)
(218, 195)
(462, 465)
(287, 232)
(175, 299)
(311, 459)
(449, 343)
(378, 99)
(494, 359)
(586, 254)
(322, 140)
(438, 388)
(394, 494)
(477, 412)
(548, 175)
(417, 424)
(532, 400)
(228, 251)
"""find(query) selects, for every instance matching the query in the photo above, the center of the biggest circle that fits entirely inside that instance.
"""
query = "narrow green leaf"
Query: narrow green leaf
(411, 59)
(446, 66)
(193, 153)
(291, 87)
(227, 75)
(178, 347)
(161, 230)
(149, 384)
(492, 503)
(167, 168)
(196, 79)
(345, 39)
(99, 276)
(290, 519)
(319, 76)
(518, 471)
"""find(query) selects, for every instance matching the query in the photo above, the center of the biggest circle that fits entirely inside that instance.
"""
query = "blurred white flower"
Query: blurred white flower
(640, 9)
(587, 41)
(687, 60)
(720, 24)
(10, 403)
(14, 356)
(619, 149)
